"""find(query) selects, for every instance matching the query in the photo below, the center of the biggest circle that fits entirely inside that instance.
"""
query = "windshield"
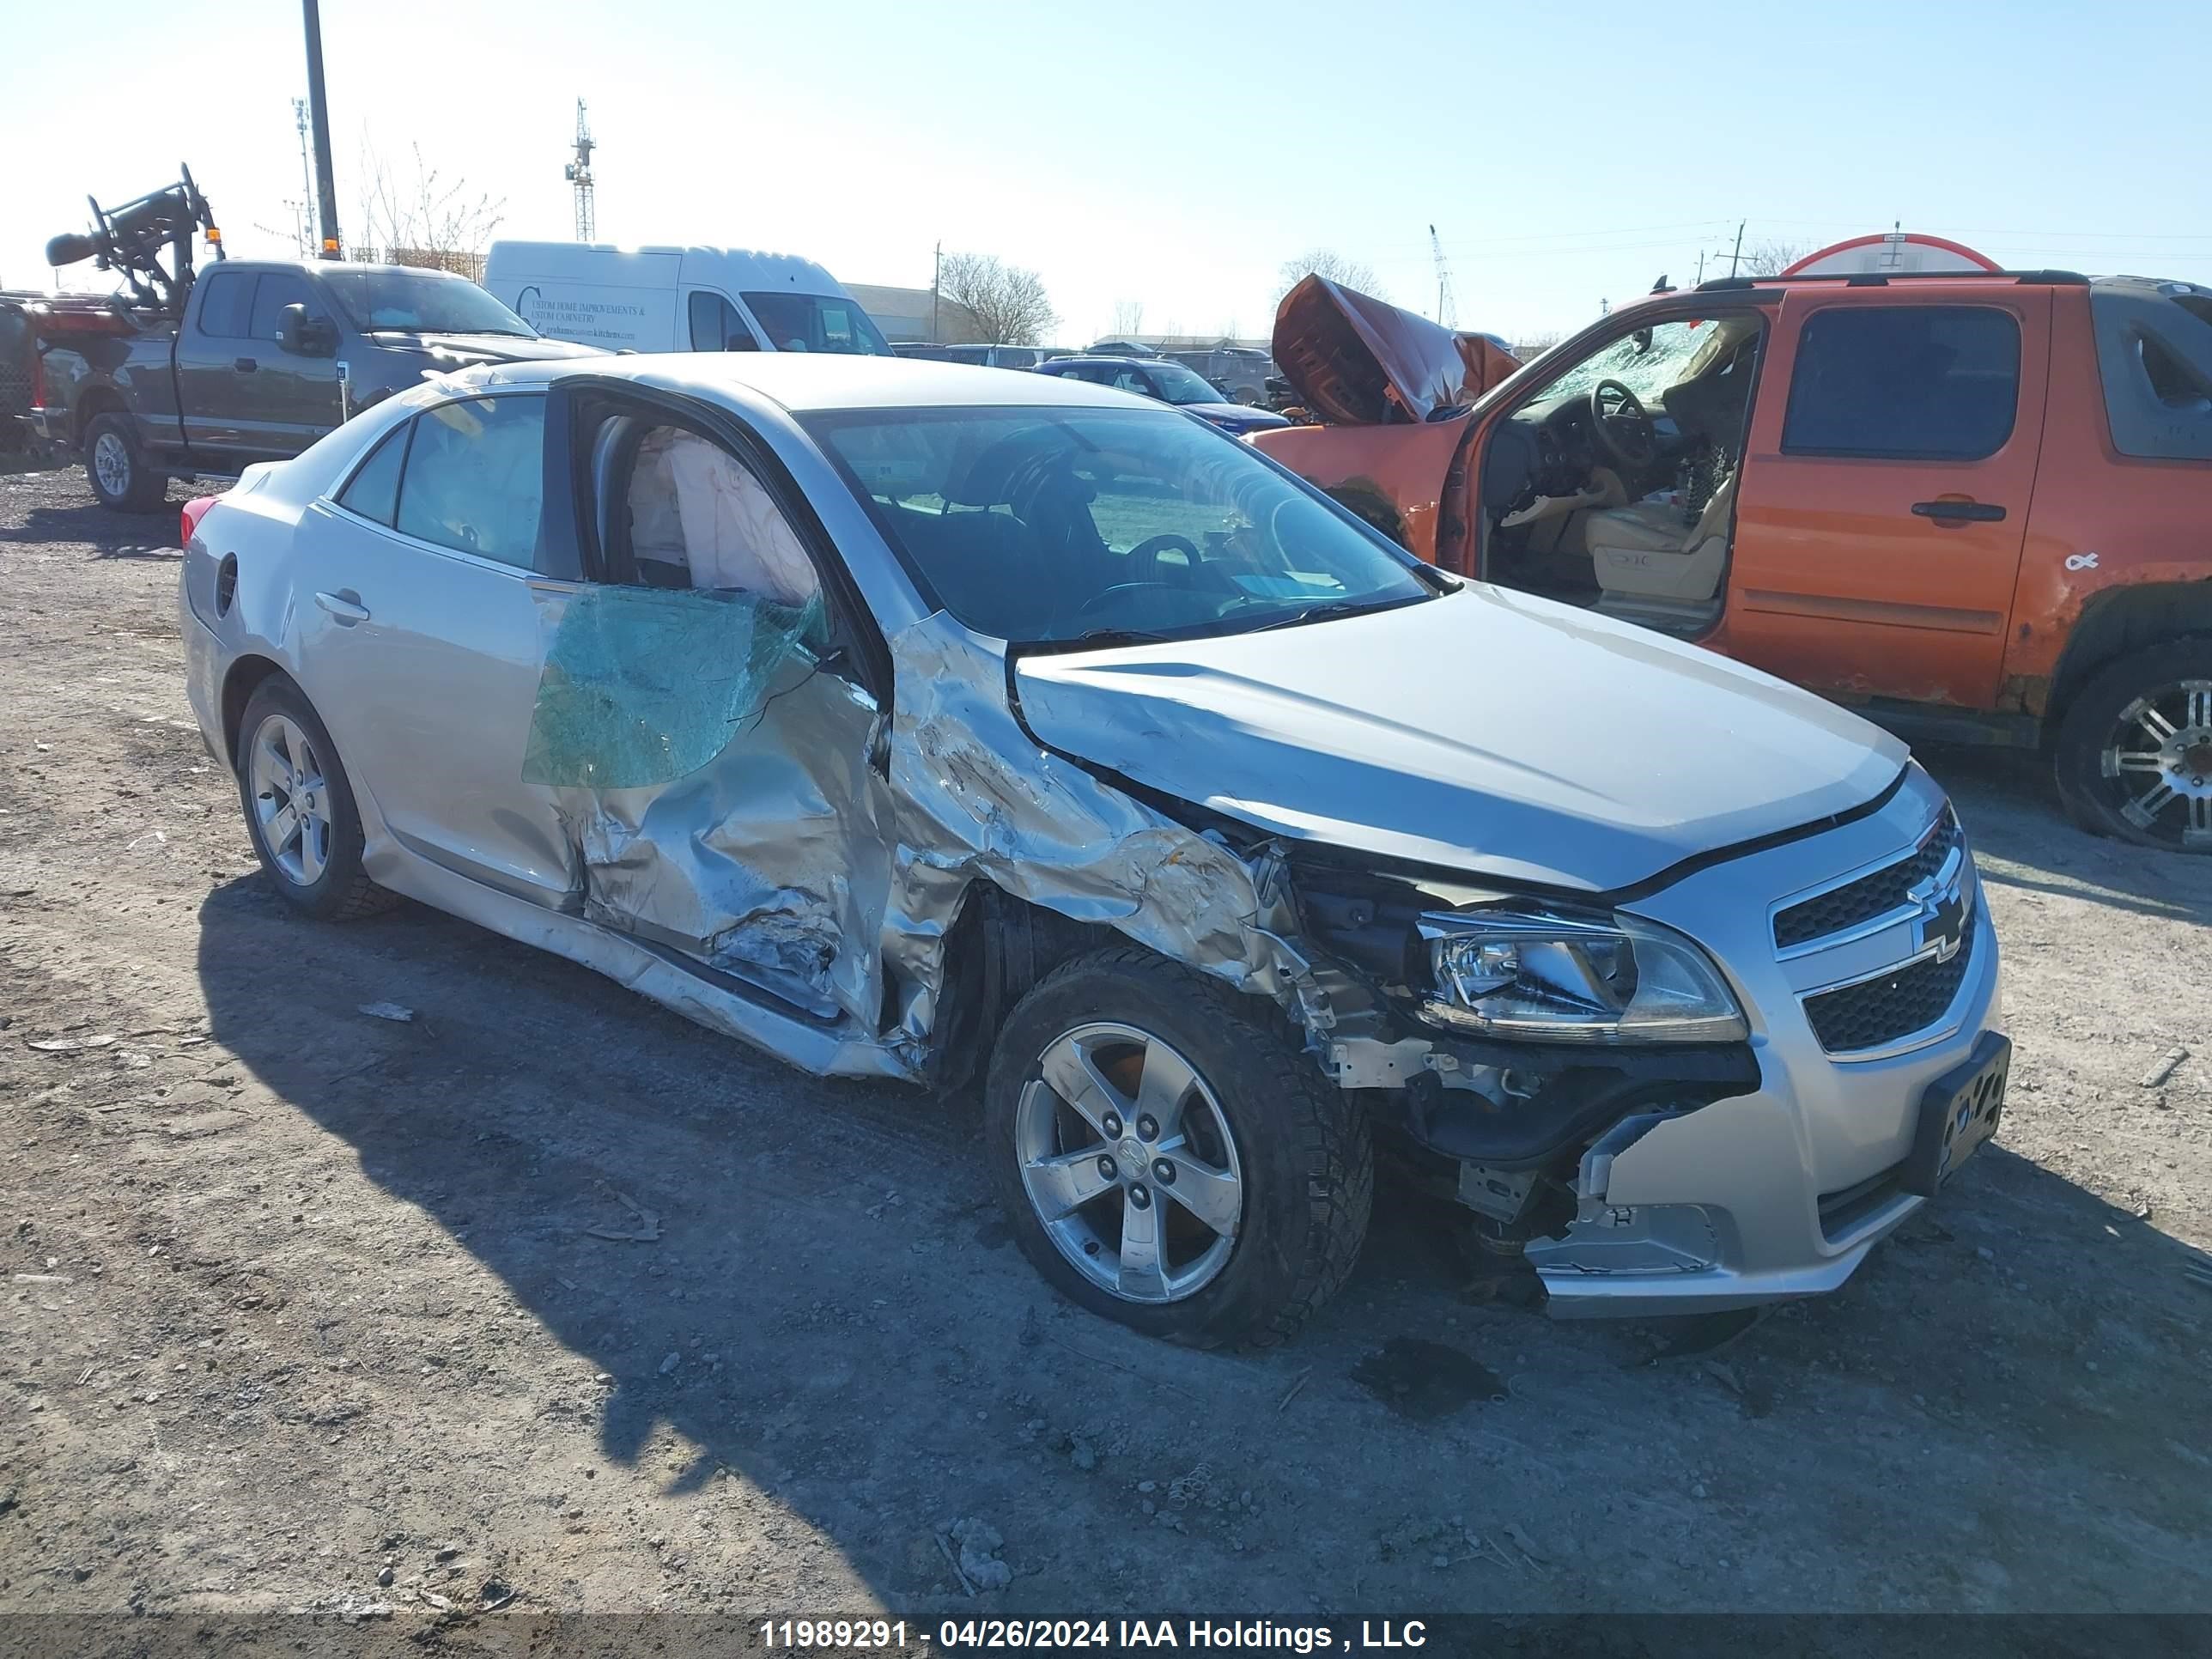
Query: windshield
(809, 322)
(1179, 384)
(420, 302)
(1051, 524)
(1647, 362)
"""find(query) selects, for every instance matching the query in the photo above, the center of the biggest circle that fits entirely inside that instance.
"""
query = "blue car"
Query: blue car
(1169, 382)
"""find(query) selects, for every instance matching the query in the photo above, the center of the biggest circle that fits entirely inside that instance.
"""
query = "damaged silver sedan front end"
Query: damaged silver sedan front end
(911, 721)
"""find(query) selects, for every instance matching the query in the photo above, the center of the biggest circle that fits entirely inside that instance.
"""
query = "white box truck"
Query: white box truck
(679, 299)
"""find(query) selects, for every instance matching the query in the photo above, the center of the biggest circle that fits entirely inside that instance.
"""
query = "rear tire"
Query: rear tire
(116, 469)
(299, 810)
(2133, 756)
(1252, 1137)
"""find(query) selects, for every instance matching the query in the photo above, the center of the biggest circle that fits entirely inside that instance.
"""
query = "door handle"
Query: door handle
(1960, 512)
(245, 365)
(346, 606)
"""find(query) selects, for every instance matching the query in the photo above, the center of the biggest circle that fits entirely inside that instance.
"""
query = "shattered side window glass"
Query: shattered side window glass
(643, 685)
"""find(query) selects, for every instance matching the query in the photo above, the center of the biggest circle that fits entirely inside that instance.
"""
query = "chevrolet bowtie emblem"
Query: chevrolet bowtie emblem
(1945, 910)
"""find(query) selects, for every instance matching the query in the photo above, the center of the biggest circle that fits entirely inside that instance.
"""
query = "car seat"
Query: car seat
(1645, 551)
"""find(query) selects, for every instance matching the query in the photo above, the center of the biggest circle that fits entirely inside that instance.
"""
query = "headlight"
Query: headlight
(1563, 978)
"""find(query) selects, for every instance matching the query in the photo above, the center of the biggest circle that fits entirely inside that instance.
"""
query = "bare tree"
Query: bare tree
(423, 220)
(1329, 263)
(1005, 304)
(1770, 258)
(1128, 318)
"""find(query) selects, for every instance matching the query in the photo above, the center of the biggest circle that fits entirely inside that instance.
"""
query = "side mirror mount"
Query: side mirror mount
(305, 336)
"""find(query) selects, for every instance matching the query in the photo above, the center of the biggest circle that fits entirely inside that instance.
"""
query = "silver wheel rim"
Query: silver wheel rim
(1129, 1163)
(2159, 761)
(291, 801)
(111, 464)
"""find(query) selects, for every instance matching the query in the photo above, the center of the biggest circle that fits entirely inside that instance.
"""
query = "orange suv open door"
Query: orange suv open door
(1885, 491)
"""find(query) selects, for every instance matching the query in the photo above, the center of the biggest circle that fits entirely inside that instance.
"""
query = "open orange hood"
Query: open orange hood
(1358, 361)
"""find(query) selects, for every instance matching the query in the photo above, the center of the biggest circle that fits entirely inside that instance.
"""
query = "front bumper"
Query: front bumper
(1781, 1192)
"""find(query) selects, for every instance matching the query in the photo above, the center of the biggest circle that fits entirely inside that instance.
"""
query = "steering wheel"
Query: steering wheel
(1145, 557)
(1099, 600)
(1621, 425)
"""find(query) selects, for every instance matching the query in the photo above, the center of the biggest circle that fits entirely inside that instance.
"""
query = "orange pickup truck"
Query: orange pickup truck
(1977, 507)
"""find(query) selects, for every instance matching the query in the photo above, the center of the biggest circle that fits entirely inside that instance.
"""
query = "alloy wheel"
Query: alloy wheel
(111, 462)
(2157, 761)
(1128, 1162)
(291, 801)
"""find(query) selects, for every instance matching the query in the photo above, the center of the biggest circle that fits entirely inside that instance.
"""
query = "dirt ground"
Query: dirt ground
(307, 1309)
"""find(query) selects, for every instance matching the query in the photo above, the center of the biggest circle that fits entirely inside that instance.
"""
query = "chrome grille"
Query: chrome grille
(1857, 903)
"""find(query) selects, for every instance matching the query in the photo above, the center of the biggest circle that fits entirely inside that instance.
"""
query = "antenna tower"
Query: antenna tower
(1447, 312)
(578, 175)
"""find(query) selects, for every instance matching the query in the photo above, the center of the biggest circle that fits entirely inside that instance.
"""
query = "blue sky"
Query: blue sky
(1174, 154)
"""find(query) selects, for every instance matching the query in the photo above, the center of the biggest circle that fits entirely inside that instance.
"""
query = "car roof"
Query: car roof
(1108, 362)
(325, 268)
(805, 382)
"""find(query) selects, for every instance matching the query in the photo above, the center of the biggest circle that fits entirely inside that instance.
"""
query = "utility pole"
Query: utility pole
(303, 227)
(1701, 267)
(936, 271)
(326, 188)
(1738, 254)
(1447, 314)
(579, 174)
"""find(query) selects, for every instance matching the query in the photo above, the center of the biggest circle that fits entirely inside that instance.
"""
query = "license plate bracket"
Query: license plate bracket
(1959, 1111)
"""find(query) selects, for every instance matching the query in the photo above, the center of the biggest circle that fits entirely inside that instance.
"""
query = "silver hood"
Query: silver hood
(1484, 730)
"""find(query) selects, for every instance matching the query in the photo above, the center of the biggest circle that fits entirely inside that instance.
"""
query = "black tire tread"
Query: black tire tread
(1330, 1128)
(149, 488)
(2089, 716)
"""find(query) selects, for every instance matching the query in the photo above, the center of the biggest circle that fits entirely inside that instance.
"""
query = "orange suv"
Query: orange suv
(1976, 508)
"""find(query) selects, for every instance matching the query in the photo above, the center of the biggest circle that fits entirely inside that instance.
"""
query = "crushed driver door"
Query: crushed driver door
(708, 718)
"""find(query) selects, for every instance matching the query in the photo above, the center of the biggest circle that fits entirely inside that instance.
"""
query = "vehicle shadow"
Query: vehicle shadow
(832, 1316)
(110, 534)
(2024, 839)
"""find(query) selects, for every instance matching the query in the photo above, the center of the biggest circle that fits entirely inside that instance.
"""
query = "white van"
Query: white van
(679, 299)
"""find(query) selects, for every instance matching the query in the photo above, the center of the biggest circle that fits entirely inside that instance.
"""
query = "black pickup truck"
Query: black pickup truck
(185, 374)
(265, 358)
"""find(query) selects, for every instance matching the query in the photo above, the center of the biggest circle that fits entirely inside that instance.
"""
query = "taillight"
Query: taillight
(189, 520)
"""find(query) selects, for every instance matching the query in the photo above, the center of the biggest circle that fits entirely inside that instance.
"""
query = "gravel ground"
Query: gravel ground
(307, 1310)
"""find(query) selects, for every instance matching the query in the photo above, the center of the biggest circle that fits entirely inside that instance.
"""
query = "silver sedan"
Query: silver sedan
(917, 721)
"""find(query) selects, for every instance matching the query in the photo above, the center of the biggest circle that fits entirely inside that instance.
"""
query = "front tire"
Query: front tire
(299, 811)
(2134, 751)
(116, 469)
(1166, 1157)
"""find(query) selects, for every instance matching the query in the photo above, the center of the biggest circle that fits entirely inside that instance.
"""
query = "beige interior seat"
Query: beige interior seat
(1644, 550)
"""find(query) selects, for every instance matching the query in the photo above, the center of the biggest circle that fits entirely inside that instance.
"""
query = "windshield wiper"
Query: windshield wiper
(1100, 638)
(1097, 639)
(1325, 612)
